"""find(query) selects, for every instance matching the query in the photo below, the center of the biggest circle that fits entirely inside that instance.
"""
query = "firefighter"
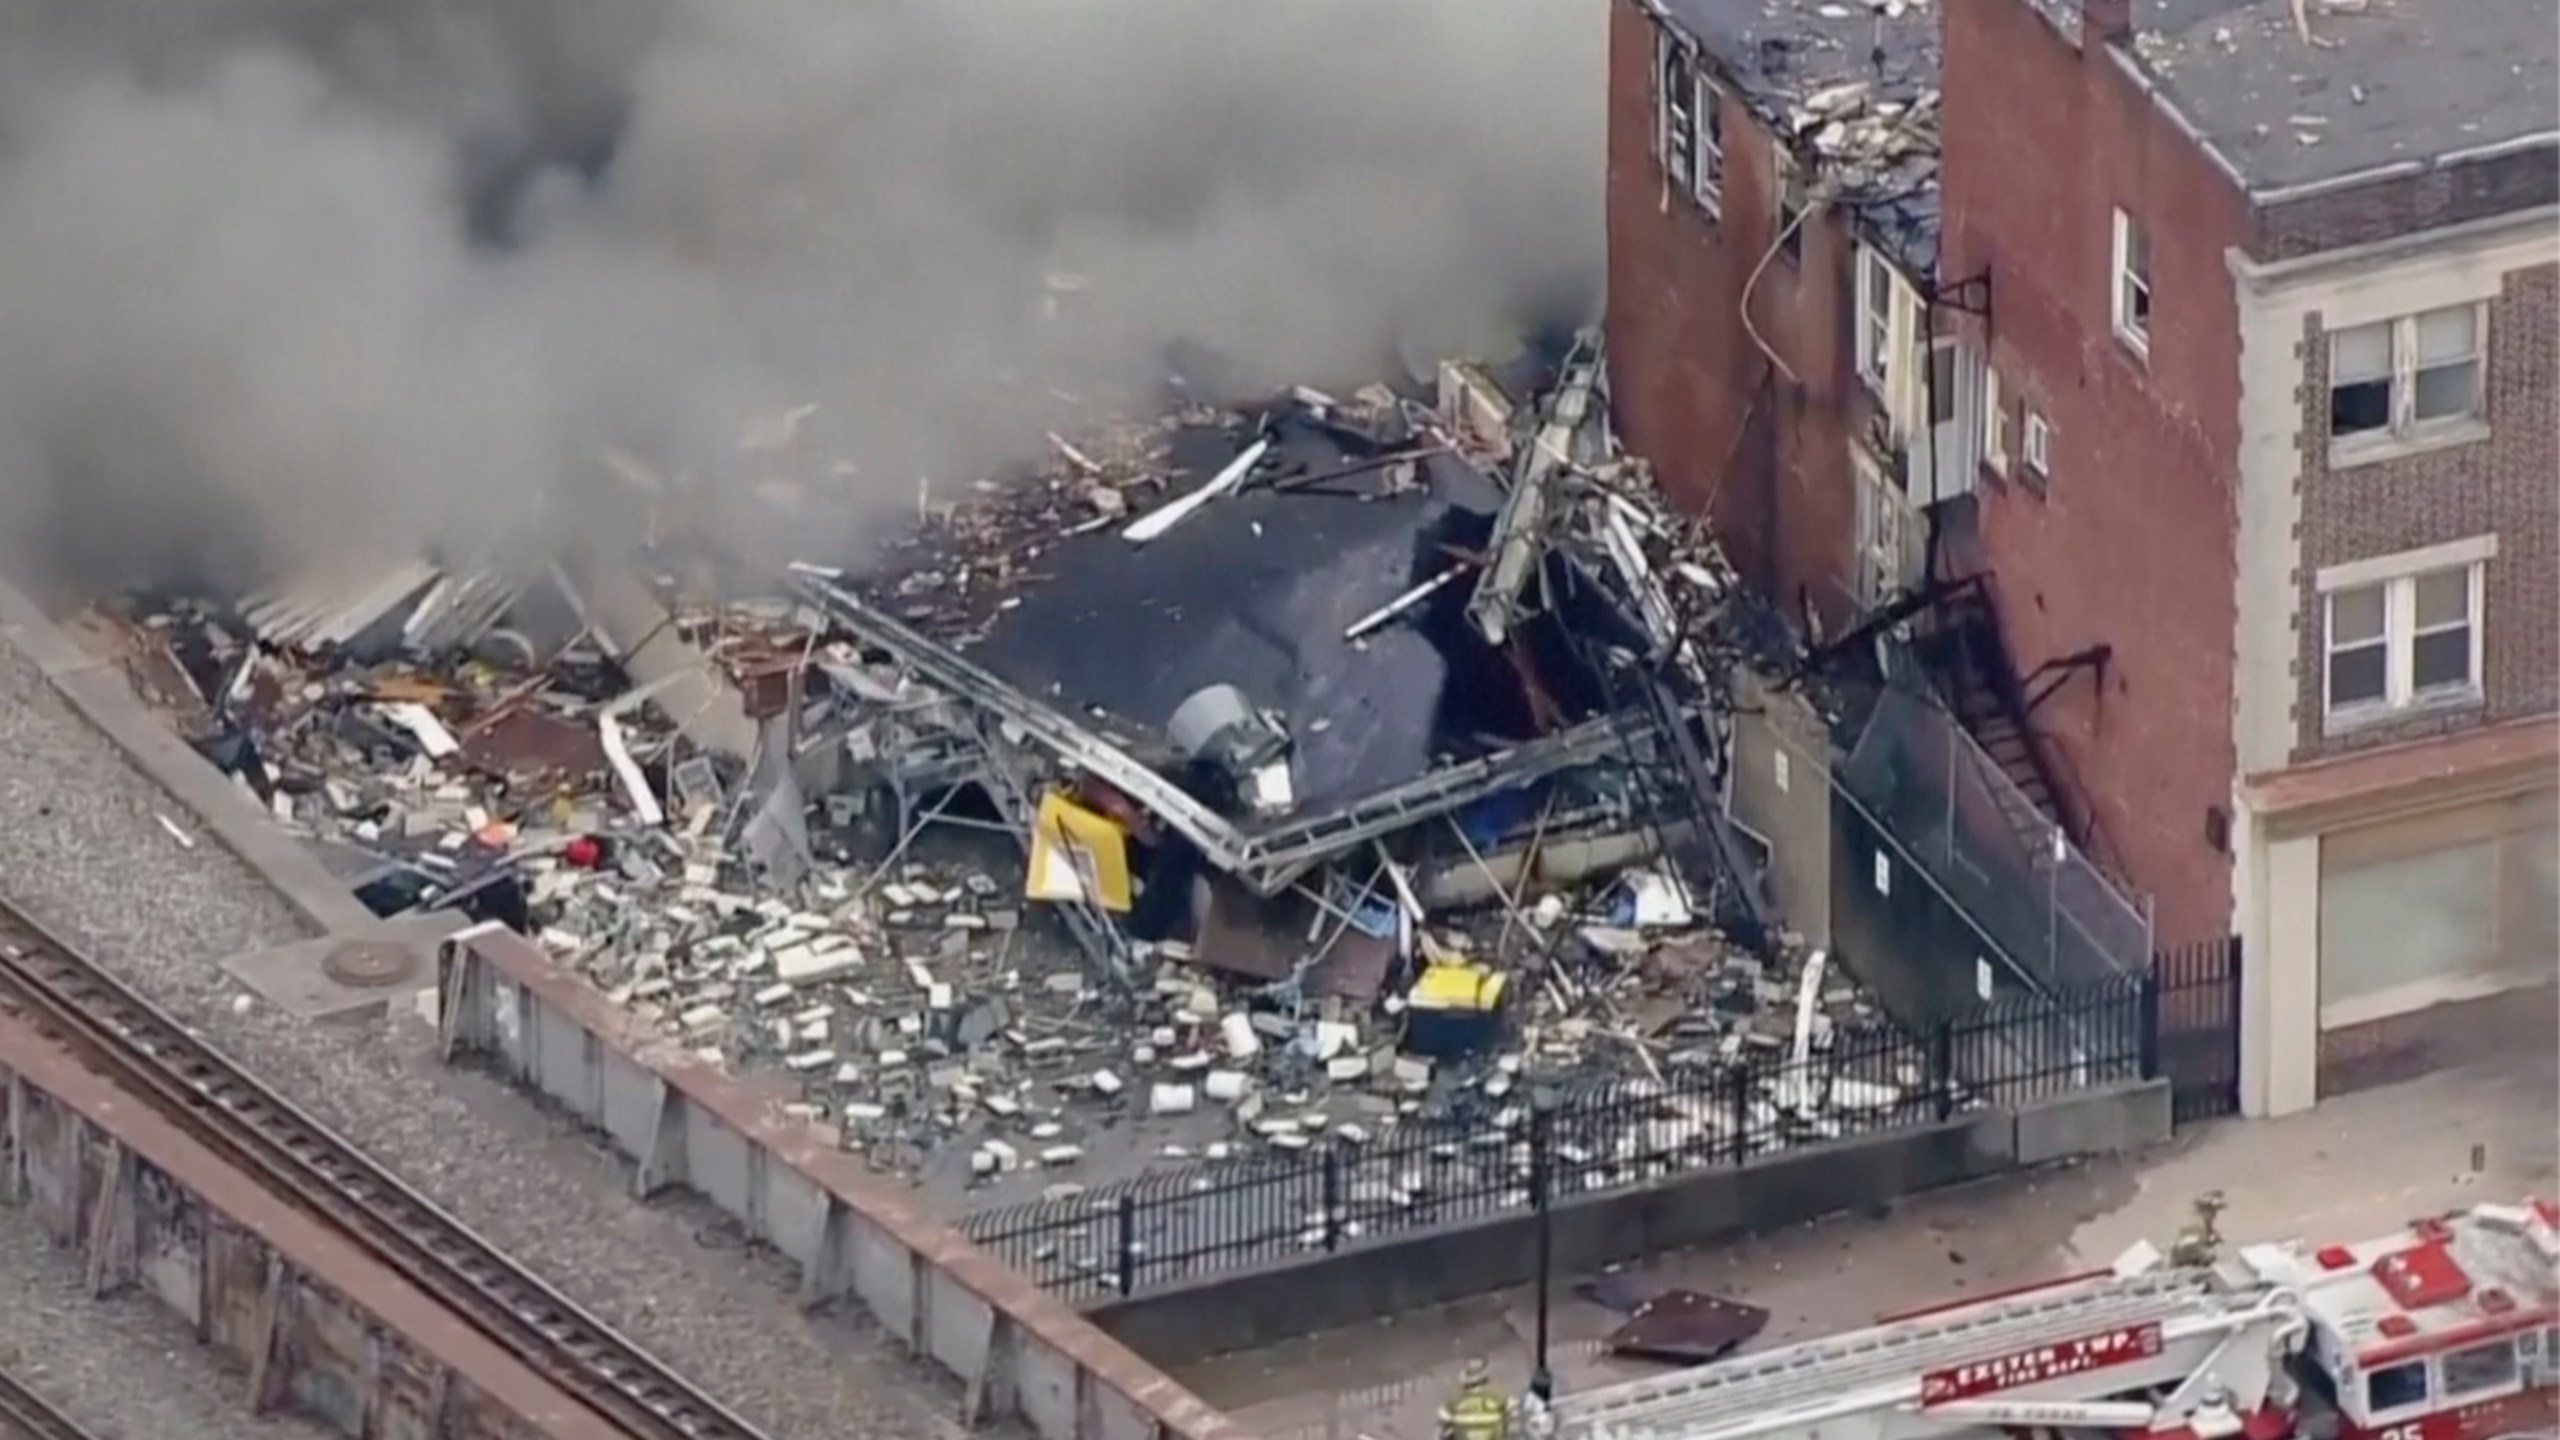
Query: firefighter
(1477, 1411)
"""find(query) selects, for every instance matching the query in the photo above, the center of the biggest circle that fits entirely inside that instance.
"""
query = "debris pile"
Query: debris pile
(1376, 777)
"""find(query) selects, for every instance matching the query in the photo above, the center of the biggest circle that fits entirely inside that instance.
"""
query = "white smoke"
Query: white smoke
(285, 276)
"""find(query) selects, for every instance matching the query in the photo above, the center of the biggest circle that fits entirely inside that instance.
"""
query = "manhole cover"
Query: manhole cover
(367, 966)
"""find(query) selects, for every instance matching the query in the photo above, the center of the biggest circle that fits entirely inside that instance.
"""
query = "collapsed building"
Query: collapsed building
(1378, 770)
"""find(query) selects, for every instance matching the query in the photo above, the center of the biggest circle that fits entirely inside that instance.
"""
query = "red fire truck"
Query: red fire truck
(2442, 1330)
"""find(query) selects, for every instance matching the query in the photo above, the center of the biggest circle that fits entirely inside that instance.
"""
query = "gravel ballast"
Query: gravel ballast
(84, 848)
(123, 1367)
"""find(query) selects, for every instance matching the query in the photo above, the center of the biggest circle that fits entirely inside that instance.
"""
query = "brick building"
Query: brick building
(2240, 319)
(1749, 167)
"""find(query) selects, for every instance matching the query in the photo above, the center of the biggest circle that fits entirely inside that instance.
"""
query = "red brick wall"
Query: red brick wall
(2501, 485)
(1692, 395)
(2131, 544)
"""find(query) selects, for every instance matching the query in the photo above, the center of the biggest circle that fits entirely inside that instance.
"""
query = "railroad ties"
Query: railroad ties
(344, 1292)
(24, 1415)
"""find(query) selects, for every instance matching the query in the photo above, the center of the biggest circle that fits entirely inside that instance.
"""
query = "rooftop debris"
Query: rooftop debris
(1337, 844)
(1852, 88)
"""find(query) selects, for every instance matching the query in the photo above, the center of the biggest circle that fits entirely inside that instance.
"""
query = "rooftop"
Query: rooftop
(1852, 84)
(2301, 92)
(1258, 591)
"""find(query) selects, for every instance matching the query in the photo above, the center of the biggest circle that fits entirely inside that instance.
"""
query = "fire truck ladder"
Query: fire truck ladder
(2214, 1341)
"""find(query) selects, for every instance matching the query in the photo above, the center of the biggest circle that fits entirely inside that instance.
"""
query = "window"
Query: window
(2482, 1367)
(2396, 1387)
(2359, 647)
(2413, 640)
(2037, 446)
(2132, 293)
(1995, 424)
(1942, 383)
(1791, 203)
(1688, 123)
(1875, 315)
(2541, 1348)
(1709, 137)
(2398, 378)
(1676, 95)
(2443, 636)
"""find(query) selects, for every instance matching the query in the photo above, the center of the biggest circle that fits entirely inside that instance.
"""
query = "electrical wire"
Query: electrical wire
(1819, 200)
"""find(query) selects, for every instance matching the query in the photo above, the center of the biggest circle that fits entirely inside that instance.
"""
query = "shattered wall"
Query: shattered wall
(1782, 790)
(276, 275)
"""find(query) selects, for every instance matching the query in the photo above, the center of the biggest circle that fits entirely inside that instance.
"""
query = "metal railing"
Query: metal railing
(1342, 1192)
(1993, 851)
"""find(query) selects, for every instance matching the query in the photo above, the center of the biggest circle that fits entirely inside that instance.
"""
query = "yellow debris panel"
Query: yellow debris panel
(1070, 843)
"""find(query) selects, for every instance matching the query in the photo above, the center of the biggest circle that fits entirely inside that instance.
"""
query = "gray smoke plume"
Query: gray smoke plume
(286, 277)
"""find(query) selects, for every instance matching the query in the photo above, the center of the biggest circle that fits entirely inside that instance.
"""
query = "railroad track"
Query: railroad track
(260, 1132)
(24, 1415)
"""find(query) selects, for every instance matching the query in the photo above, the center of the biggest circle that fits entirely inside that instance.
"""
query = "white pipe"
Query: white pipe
(1156, 522)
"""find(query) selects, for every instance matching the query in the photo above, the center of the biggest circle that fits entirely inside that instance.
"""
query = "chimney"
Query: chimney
(2105, 22)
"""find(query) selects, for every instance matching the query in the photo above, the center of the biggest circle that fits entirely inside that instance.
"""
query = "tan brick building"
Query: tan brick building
(2242, 327)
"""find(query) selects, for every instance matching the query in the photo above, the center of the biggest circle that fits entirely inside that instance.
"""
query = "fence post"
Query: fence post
(1947, 733)
(1542, 1156)
(1942, 1067)
(1128, 1227)
(1333, 1194)
(2149, 1019)
(2053, 904)
(1738, 1107)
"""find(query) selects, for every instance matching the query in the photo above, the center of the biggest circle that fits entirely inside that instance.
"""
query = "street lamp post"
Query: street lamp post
(1543, 1102)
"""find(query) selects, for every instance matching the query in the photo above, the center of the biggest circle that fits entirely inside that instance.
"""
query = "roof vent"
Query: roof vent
(2494, 1301)
(2396, 1327)
(2334, 1257)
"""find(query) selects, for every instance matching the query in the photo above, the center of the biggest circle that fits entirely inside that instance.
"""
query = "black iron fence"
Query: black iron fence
(1344, 1189)
(2197, 1032)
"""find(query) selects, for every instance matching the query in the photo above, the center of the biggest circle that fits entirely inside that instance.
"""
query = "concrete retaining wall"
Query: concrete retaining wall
(319, 1328)
(1243, 1310)
(1021, 1353)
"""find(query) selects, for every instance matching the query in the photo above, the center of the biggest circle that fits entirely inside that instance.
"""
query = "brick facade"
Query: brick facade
(2505, 484)
(2131, 543)
(2403, 204)
(1764, 459)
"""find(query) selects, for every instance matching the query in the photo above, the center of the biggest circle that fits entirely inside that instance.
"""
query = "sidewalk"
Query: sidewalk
(2357, 1166)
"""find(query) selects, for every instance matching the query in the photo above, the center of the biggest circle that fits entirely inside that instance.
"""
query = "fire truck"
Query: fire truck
(2442, 1330)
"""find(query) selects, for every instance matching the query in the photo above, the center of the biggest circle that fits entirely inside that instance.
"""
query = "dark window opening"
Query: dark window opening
(2360, 406)
(2396, 1387)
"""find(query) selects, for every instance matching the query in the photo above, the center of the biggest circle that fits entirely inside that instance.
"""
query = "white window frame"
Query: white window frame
(2134, 330)
(2405, 429)
(1706, 146)
(2035, 444)
(1876, 293)
(1995, 424)
(1675, 116)
(2400, 695)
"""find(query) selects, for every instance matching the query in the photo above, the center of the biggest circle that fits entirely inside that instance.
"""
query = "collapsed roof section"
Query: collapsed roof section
(1852, 92)
(1377, 654)
(1352, 627)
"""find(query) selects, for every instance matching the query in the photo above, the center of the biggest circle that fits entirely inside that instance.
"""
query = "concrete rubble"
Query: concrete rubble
(1010, 941)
